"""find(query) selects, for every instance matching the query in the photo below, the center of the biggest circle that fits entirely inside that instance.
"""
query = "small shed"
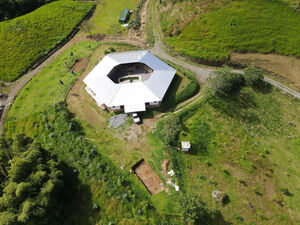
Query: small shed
(185, 146)
(124, 16)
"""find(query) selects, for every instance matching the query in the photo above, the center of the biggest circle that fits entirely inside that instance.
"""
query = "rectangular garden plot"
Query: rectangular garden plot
(148, 177)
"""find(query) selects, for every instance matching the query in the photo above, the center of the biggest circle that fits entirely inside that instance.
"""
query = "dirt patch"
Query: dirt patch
(97, 37)
(148, 177)
(285, 68)
(80, 65)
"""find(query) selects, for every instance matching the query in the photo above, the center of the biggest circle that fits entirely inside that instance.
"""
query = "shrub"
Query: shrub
(254, 76)
(224, 82)
(195, 210)
(168, 130)
(136, 22)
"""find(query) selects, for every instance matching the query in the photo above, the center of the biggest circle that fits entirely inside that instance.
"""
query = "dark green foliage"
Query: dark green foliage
(191, 89)
(30, 193)
(224, 82)
(12, 8)
(178, 166)
(194, 210)
(254, 76)
(52, 129)
(25, 39)
(168, 130)
(136, 22)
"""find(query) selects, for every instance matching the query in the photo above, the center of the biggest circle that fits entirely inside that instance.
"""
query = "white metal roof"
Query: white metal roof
(132, 96)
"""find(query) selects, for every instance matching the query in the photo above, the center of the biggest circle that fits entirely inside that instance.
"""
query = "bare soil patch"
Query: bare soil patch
(148, 177)
(285, 68)
(80, 65)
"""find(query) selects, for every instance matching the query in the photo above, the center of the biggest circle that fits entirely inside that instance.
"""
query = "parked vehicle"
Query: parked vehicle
(136, 118)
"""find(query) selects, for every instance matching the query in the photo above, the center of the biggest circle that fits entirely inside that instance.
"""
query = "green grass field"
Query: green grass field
(208, 32)
(248, 150)
(106, 17)
(25, 39)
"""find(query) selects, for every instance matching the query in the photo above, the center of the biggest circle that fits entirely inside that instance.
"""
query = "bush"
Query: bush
(136, 22)
(254, 76)
(194, 210)
(224, 82)
(168, 130)
(25, 39)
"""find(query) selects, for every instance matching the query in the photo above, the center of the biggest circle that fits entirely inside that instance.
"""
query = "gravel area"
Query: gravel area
(117, 120)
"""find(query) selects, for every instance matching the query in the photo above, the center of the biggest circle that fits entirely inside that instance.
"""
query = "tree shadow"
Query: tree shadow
(216, 218)
(74, 200)
(236, 106)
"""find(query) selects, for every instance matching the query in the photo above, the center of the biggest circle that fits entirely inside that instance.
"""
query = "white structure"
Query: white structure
(129, 81)
(185, 146)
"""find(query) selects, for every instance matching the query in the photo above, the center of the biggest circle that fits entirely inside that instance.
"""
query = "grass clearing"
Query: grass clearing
(106, 17)
(207, 32)
(25, 39)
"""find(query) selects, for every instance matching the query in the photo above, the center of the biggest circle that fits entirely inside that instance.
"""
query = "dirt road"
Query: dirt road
(159, 49)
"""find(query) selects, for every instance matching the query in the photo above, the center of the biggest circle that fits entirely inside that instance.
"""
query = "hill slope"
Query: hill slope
(25, 39)
(208, 30)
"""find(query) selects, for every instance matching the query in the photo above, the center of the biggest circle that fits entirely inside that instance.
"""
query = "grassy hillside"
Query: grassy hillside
(208, 31)
(246, 148)
(25, 39)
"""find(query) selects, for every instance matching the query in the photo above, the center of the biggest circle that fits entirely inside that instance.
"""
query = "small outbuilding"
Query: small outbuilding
(185, 146)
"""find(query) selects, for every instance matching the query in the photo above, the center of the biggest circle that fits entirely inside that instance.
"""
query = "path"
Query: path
(18, 85)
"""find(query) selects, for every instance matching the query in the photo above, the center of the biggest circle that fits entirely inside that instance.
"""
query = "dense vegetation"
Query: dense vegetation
(209, 31)
(136, 22)
(11, 8)
(32, 183)
(58, 132)
(25, 39)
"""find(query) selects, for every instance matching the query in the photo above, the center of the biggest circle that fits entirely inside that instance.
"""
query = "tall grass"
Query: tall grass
(25, 39)
(237, 26)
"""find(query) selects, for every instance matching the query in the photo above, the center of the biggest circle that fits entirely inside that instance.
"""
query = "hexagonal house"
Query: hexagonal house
(129, 81)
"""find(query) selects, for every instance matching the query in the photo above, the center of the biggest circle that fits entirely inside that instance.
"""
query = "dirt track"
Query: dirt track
(159, 49)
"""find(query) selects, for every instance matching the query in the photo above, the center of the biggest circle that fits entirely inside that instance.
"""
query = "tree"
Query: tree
(168, 130)
(254, 76)
(194, 210)
(33, 186)
(224, 82)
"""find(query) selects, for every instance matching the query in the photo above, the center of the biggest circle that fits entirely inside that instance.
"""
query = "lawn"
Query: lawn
(25, 39)
(208, 32)
(106, 17)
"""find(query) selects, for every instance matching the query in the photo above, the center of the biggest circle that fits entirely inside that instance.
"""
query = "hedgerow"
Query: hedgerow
(136, 22)
(25, 39)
